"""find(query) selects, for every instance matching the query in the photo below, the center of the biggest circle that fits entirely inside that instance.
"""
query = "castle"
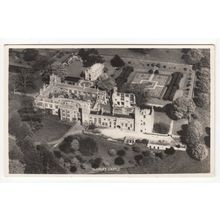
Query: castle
(82, 102)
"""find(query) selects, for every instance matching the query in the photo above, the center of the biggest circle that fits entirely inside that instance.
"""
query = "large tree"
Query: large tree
(192, 134)
(183, 107)
(198, 152)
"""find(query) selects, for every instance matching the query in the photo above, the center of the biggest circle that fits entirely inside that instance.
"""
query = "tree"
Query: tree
(193, 56)
(24, 80)
(90, 57)
(170, 151)
(203, 85)
(191, 135)
(45, 76)
(88, 146)
(121, 153)
(29, 114)
(195, 124)
(14, 123)
(48, 160)
(198, 152)
(30, 54)
(96, 162)
(182, 107)
(119, 161)
(116, 61)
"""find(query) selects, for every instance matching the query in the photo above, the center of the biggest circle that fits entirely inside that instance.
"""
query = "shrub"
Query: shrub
(119, 161)
(121, 153)
(145, 141)
(112, 152)
(170, 151)
(96, 163)
(161, 128)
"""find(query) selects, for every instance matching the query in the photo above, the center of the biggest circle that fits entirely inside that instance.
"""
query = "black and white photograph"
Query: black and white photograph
(110, 109)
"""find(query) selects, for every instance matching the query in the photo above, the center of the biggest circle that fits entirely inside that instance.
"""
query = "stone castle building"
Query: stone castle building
(92, 106)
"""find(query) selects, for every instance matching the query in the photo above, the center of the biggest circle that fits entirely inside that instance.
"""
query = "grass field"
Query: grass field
(52, 129)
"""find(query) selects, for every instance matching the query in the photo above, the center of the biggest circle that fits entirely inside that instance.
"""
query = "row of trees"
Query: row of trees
(202, 89)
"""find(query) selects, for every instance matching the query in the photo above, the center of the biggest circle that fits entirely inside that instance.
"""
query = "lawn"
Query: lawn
(180, 162)
(161, 117)
(177, 125)
(75, 68)
(52, 129)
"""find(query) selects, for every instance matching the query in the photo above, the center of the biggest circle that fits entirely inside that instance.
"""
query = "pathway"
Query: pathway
(76, 129)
